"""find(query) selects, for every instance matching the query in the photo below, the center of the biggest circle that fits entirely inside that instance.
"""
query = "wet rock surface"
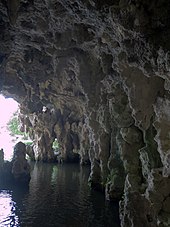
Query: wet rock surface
(95, 75)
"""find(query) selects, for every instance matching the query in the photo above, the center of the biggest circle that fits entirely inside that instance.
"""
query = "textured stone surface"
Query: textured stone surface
(16, 171)
(20, 167)
(95, 75)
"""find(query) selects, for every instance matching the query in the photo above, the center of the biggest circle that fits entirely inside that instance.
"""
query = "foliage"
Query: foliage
(28, 142)
(55, 145)
(13, 127)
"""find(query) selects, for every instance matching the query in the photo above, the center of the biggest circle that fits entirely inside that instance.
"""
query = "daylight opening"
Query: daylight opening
(8, 107)
(56, 150)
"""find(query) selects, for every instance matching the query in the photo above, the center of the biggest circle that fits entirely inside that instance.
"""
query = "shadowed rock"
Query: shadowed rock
(20, 166)
(1, 159)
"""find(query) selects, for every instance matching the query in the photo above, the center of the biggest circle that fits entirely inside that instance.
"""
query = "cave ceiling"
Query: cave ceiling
(63, 50)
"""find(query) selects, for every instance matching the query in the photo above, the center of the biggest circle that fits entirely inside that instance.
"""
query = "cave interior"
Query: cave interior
(96, 76)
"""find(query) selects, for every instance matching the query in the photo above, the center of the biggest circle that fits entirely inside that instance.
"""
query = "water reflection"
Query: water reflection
(8, 216)
(59, 196)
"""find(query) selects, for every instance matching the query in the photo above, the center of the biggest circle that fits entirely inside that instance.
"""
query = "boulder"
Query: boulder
(20, 167)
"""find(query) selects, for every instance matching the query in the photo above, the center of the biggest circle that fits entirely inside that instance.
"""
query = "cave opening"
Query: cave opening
(57, 150)
(55, 146)
(8, 107)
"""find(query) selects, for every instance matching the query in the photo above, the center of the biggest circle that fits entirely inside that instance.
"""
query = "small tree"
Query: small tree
(13, 126)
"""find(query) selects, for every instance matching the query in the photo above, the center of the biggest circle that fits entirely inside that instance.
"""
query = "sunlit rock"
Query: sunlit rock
(30, 152)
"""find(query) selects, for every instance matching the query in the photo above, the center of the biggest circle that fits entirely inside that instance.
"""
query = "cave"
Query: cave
(96, 76)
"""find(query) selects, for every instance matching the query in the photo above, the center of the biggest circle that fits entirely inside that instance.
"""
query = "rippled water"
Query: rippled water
(58, 195)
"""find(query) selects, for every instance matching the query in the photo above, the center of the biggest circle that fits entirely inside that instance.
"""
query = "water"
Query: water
(58, 195)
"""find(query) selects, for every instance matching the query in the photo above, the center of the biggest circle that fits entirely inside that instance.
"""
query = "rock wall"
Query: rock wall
(95, 75)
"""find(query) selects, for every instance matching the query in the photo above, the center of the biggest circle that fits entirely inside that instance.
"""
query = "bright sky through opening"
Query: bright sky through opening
(7, 107)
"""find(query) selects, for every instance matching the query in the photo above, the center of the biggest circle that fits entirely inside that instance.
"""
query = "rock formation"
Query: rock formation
(18, 170)
(1, 159)
(95, 75)
(20, 167)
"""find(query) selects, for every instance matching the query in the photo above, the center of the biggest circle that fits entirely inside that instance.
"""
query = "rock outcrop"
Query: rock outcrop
(20, 167)
(95, 75)
(18, 170)
(1, 159)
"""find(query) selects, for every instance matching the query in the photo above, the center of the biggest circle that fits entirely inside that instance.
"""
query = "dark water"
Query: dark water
(58, 195)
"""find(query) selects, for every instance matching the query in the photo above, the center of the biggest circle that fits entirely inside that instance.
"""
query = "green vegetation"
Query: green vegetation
(55, 145)
(13, 127)
(28, 142)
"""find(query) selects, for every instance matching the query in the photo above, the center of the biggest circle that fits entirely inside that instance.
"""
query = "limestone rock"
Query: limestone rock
(95, 75)
(20, 166)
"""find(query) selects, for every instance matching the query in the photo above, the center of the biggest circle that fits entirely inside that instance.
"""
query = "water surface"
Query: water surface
(58, 195)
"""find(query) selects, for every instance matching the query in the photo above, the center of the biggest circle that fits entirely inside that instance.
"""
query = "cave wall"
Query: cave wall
(95, 75)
